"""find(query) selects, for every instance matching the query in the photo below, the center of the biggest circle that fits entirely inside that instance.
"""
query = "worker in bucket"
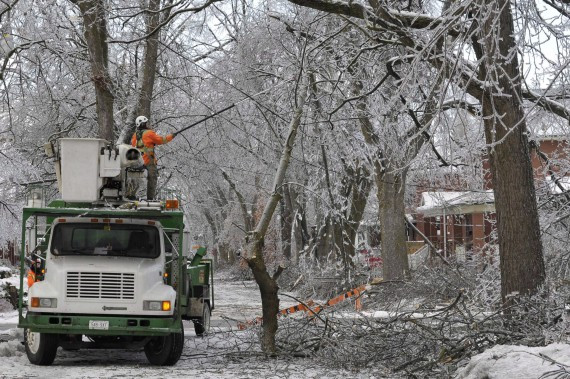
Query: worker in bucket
(145, 139)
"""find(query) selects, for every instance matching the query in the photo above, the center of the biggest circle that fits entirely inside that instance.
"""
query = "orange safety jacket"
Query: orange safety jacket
(31, 278)
(146, 140)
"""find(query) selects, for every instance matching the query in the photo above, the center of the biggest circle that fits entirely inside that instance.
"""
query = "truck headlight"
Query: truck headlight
(150, 305)
(43, 302)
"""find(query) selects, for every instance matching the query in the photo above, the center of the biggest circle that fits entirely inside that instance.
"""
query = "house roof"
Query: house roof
(456, 202)
(551, 137)
(563, 182)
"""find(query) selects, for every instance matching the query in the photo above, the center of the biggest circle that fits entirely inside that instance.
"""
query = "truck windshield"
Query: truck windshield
(126, 240)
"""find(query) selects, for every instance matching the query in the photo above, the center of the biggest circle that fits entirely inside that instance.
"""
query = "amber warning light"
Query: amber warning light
(171, 204)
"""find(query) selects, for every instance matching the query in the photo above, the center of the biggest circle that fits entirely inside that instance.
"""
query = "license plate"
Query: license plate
(98, 325)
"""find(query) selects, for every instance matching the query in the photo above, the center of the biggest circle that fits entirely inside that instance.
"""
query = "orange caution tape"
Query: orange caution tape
(283, 312)
(296, 308)
(340, 298)
(245, 325)
(306, 307)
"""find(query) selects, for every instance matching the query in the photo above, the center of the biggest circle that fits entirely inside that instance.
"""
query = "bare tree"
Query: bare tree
(508, 147)
(255, 258)
(96, 35)
(522, 263)
(155, 15)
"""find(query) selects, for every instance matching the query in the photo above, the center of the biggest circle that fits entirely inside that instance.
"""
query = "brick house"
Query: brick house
(463, 222)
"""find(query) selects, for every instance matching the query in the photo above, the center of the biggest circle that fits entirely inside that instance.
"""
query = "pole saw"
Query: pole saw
(248, 97)
(204, 119)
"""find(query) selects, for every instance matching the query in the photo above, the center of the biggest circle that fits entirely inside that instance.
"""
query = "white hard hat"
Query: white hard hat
(140, 120)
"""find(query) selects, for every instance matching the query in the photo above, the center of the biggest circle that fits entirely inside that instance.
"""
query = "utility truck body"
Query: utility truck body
(111, 273)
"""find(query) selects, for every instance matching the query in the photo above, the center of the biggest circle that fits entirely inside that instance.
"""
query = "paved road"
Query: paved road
(235, 301)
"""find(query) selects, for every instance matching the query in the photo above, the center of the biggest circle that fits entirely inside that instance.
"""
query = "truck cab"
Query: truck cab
(104, 266)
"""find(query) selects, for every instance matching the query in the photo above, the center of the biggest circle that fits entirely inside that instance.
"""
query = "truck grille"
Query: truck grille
(100, 285)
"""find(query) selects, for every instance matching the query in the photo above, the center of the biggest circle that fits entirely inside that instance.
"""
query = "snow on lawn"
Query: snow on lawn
(8, 315)
(14, 278)
(520, 362)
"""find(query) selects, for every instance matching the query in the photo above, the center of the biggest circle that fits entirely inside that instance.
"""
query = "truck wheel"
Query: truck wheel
(41, 348)
(166, 350)
(202, 325)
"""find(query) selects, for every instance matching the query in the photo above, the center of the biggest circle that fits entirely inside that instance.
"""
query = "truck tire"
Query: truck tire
(166, 350)
(41, 348)
(202, 325)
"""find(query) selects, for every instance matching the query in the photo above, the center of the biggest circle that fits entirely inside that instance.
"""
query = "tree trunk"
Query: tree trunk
(268, 284)
(286, 207)
(95, 26)
(324, 241)
(215, 235)
(339, 229)
(270, 301)
(357, 186)
(391, 189)
(150, 59)
(522, 264)
(301, 234)
(339, 248)
(246, 214)
(7, 38)
(146, 84)
(361, 187)
(230, 255)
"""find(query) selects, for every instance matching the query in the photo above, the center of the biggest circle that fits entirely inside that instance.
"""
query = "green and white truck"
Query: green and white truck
(111, 273)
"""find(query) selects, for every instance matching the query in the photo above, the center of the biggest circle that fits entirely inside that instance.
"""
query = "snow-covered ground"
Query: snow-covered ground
(225, 353)
(222, 355)
(519, 362)
(229, 353)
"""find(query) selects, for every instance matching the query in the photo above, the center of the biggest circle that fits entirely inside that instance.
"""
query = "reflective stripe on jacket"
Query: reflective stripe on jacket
(146, 140)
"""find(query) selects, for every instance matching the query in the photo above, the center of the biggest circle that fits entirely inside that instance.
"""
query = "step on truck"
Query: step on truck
(109, 272)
